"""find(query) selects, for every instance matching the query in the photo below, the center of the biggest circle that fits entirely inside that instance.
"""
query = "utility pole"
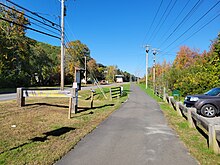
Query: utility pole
(62, 45)
(85, 70)
(147, 50)
(154, 68)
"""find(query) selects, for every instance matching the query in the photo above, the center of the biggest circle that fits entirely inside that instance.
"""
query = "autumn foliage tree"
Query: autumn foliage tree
(192, 72)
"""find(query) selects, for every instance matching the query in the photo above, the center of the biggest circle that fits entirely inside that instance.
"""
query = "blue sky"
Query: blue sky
(117, 30)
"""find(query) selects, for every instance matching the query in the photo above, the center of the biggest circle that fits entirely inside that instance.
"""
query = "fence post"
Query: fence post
(121, 90)
(92, 98)
(70, 107)
(178, 108)
(213, 144)
(170, 97)
(110, 94)
(189, 117)
(20, 97)
(164, 94)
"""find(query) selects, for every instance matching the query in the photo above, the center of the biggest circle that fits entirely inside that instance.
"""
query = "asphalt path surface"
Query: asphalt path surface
(136, 134)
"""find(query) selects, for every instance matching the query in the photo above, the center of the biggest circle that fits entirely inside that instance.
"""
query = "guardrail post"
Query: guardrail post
(213, 144)
(20, 97)
(189, 117)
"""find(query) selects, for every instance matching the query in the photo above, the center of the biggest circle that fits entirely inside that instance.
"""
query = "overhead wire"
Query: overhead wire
(153, 21)
(182, 21)
(166, 17)
(30, 17)
(152, 34)
(202, 27)
(193, 24)
(173, 23)
(52, 23)
(29, 28)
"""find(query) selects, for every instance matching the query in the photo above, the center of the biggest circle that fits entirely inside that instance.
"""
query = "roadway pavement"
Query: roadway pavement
(136, 134)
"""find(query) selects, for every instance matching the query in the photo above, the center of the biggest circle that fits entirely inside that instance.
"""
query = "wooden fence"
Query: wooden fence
(208, 125)
(115, 92)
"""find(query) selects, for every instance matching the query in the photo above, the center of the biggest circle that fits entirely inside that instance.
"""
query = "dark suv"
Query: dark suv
(207, 104)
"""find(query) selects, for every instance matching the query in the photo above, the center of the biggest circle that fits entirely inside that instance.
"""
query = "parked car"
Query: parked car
(207, 104)
(103, 82)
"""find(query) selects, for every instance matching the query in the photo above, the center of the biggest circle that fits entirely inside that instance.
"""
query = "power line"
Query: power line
(29, 16)
(200, 28)
(44, 28)
(166, 17)
(29, 28)
(153, 21)
(175, 20)
(52, 23)
(181, 21)
(152, 34)
(194, 23)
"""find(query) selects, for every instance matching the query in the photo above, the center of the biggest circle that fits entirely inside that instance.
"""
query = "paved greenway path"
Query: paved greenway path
(136, 134)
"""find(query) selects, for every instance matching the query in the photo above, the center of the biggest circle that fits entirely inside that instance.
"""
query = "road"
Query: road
(136, 134)
(4, 97)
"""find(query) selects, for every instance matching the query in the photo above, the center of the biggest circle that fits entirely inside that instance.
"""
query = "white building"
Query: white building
(119, 78)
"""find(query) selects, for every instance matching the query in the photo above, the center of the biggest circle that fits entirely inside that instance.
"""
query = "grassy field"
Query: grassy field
(193, 140)
(41, 133)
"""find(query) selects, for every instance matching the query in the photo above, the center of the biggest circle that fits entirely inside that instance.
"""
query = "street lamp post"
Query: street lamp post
(147, 50)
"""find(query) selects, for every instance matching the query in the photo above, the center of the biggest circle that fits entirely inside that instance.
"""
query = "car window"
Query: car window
(213, 92)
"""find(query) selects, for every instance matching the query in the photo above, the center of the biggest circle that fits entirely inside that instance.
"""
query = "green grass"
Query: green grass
(193, 140)
(43, 132)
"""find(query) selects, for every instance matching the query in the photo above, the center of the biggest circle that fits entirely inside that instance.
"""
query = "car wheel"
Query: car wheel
(208, 110)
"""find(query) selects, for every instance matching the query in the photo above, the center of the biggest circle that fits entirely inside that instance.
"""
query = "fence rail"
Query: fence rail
(115, 92)
(212, 128)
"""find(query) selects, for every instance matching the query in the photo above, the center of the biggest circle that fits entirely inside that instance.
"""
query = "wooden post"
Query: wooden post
(92, 97)
(213, 144)
(121, 90)
(76, 101)
(189, 117)
(110, 94)
(178, 108)
(164, 94)
(70, 107)
(170, 97)
(20, 97)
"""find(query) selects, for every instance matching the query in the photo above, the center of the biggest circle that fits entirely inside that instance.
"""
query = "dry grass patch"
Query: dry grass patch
(41, 133)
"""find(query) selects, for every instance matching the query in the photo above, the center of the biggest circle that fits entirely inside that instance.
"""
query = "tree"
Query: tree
(14, 48)
(111, 70)
(75, 53)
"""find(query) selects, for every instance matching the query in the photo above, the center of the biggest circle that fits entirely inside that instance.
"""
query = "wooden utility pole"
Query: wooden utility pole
(62, 46)
(85, 70)
(147, 50)
(154, 68)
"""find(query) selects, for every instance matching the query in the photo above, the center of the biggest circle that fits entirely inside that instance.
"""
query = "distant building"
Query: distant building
(119, 78)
